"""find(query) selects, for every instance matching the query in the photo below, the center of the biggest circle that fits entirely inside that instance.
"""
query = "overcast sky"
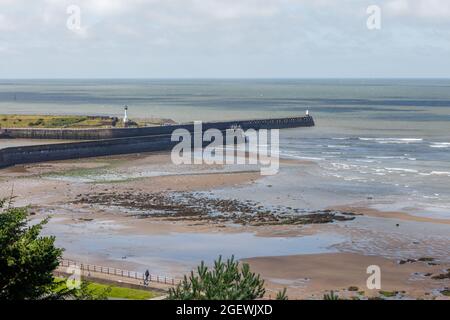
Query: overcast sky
(224, 39)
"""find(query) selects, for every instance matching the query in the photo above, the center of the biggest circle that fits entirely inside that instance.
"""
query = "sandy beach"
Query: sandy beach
(146, 140)
(307, 276)
(162, 226)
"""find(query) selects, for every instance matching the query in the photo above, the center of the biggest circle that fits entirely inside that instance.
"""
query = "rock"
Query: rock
(441, 276)
(426, 259)
(407, 261)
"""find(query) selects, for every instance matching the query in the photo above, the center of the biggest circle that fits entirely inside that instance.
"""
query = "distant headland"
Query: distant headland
(75, 121)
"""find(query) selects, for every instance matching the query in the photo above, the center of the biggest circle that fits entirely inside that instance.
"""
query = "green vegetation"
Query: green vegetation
(388, 294)
(102, 291)
(65, 122)
(282, 295)
(122, 292)
(330, 296)
(70, 121)
(446, 292)
(226, 281)
(47, 121)
(27, 260)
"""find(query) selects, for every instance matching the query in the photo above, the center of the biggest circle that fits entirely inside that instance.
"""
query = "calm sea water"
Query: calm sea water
(389, 139)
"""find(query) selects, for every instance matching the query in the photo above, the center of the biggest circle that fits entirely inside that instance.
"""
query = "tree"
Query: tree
(27, 260)
(226, 281)
(331, 296)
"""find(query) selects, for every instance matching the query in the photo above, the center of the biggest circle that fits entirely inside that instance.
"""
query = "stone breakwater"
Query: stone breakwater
(111, 133)
(106, 142)
(77, 150)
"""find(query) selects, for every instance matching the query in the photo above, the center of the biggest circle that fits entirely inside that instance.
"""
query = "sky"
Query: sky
(223, 39)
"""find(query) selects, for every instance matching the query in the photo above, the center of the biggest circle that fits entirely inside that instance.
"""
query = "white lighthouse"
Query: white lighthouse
(125, 116)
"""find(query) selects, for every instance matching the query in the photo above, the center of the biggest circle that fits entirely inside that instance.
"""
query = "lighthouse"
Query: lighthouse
(125, 116)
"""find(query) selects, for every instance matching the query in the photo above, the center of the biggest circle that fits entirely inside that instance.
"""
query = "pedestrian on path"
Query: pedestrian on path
(147, 275)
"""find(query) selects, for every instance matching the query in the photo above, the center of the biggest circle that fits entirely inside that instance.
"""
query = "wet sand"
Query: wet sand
(391, 214)
(309, 276)
(331, 256)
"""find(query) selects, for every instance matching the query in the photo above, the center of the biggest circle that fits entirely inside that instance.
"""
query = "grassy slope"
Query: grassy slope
(68, 121)
(45, 121)
(114, 291)
(122, 292)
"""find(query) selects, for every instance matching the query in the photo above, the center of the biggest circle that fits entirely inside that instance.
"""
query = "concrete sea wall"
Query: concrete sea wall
(64, 151)
(123, 141)
(97, 134)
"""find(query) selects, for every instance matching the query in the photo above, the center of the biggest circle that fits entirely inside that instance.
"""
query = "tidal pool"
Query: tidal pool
(177, 253)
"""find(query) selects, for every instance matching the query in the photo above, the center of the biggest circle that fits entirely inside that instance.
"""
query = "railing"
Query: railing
(119, 272)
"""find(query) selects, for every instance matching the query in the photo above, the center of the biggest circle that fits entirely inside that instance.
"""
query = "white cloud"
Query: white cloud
(6, 24)
(237, 9)
(419, 8)
(149, 35)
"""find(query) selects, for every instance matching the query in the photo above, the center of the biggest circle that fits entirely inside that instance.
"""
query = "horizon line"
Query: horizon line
(228, 78)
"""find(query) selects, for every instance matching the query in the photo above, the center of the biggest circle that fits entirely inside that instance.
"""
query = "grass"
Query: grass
(94, 175)
(122, 292)
(68, 121)
(331, 296)
(112, 291)
(389, 294)
(47, 121)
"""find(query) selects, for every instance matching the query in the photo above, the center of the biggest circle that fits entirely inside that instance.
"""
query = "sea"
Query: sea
(381, 142)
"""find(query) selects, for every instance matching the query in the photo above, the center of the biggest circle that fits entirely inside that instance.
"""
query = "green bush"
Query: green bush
(226, 281)
(27, 260)
(330, 296)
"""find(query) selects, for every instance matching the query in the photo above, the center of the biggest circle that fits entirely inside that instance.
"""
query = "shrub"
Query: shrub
(226, 281)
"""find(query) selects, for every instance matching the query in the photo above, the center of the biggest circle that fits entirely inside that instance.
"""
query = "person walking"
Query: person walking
(147, 275)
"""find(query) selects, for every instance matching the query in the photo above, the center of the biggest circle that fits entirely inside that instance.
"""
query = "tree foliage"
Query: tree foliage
(226, 281)
(282, 295)
(62, 292)
(27, 259)
(331, 296)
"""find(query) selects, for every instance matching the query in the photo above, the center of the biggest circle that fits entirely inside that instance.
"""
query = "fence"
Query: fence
(119, 272)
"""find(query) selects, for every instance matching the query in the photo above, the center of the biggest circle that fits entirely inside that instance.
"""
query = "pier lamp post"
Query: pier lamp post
(125, 117)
